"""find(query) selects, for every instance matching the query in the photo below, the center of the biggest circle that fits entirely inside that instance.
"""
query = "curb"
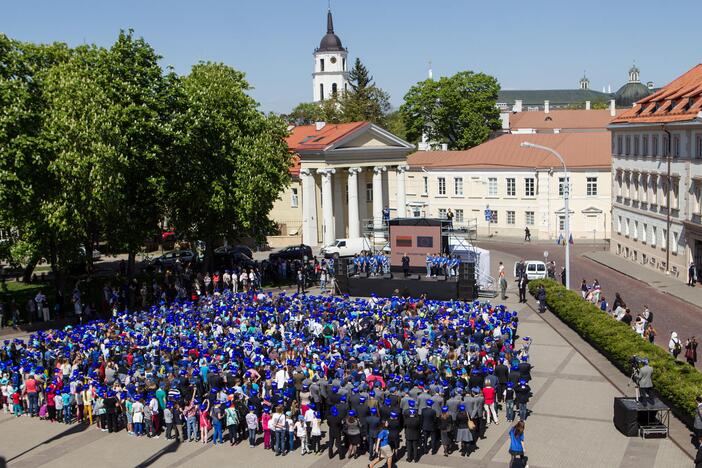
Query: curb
(599, 262)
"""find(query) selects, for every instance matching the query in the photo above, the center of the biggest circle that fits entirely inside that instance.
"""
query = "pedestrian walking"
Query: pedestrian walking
(691, 351)
(517, 446)
(674, 345)
(527, 234)
(691, 275)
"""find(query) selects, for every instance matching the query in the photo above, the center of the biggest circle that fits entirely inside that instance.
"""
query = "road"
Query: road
(669, 313)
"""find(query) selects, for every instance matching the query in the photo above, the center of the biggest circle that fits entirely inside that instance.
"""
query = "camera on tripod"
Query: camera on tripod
(637, 362)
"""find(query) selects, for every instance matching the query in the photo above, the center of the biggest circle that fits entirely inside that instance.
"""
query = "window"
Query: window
(458, 186)
(676, 146)
(654, 236)
(321, 64)
(664, 239)
(369, 192)
(442, 213)
(698, 152)
(561, 223)
(442, 185)
(644, 145)
(644, 230)
(492, 186)
(493, 216)
(619, 224)
(654, 146)
(674, 245)
(627, 151)
(321, 91)
(635, 234)
(626, 227)
(592, 186)
(510, 217)
(459, 216)
(425, 185)
(666, 143)
(636, 145)
(511, 187)
(529, 218)
(561, 181)
(675, 186)
(619, 145)
(294, 199)
(334, 89)
(529, 187)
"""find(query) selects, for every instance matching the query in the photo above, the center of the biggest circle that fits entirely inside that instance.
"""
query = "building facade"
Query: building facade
(344, 176)
(520, 187)
(657, 177)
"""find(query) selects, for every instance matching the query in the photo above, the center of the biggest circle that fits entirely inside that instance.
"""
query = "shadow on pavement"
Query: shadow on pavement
(74, 429)
(170, 448)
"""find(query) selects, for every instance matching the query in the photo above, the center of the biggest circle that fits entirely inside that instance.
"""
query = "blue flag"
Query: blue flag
(560, 239)
(570, 239)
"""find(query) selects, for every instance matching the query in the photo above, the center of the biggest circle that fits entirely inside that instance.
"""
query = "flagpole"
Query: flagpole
(566, 198)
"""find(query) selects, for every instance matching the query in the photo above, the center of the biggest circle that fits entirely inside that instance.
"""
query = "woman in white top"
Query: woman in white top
(674, 345)
(138, 417)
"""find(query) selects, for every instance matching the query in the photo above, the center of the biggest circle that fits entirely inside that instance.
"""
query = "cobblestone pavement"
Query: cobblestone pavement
(571, 426)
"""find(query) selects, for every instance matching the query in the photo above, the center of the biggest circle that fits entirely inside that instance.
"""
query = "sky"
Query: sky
(541, 44)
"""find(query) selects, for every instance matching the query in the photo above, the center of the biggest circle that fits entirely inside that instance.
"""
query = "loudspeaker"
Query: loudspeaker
(626, 416)
(342, 267)
(466, 270)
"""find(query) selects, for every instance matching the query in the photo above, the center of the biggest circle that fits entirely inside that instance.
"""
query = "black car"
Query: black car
(227, 260)
(294, 252)
(230, 249)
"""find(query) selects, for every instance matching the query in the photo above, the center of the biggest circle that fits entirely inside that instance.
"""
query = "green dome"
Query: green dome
(630, 93)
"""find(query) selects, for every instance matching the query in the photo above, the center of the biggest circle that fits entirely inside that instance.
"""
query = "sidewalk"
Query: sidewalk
(660, 281)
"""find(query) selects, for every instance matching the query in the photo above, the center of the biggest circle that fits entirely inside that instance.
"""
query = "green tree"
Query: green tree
(593, 105)
(395, 124)
(459, 110)
(364, 101)
(230, 162)
(308, 113)
(25, 183)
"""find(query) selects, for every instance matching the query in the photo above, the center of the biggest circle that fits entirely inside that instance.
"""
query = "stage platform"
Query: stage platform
(434, 288)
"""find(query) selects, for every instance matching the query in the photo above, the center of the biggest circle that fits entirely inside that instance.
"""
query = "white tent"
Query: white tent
(472, 254)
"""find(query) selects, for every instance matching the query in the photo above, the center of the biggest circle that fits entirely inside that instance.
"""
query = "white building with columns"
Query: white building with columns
(344, 175)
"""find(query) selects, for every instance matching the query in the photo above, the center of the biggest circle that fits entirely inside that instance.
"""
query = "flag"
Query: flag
(570, 239)
(560, 239)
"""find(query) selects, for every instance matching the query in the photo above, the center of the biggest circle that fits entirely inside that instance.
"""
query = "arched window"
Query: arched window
(333, 89)
(321, 91)
(321, 64)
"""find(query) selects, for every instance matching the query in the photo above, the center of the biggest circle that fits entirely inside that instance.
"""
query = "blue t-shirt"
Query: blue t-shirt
(383, 437)
(515, 442)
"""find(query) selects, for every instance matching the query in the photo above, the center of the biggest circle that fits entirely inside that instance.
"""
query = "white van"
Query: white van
(346, 247)
(535, 269)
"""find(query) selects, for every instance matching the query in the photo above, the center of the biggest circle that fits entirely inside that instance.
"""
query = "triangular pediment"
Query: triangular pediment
(371, 137)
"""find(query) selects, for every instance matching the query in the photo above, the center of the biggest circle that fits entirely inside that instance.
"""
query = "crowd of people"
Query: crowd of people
(442, 265)
(371, 263)
(376, 377)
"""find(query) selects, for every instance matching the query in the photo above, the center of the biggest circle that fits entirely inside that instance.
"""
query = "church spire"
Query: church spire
(330, 22)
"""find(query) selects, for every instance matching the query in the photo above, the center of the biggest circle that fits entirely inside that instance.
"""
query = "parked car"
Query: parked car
(169, 259)
(228, 249)
(293, 252)
(346, 247)
(535, 269)
(226, 260)
(96, 253)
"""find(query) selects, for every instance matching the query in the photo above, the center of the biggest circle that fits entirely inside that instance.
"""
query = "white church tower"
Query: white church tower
(330, 73)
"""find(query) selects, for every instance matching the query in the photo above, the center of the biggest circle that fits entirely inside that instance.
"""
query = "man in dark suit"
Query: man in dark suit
(429, 428)
(373, 422)
(412, 428)
(522, 283)
(405, 265)
(334, 421)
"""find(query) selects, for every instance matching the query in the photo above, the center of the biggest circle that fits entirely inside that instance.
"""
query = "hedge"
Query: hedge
(677, 382)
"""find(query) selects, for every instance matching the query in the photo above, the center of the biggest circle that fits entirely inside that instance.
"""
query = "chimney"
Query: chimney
(612, 108)
(319, 125)
(587, 105)
(546, 107)
(518, 105)
(444, 146)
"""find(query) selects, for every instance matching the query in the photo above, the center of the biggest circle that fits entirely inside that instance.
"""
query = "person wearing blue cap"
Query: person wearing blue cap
(509, 396)
(464, 436)
(335, 422)
(352, 428)
(445, 425)
(373, 422)
(413, 427)
(252, 425)
(523, 393)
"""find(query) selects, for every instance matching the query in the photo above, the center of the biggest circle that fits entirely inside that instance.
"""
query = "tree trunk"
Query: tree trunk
(29, 269)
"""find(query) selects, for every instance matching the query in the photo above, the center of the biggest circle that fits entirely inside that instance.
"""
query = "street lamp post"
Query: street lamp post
(566, 197)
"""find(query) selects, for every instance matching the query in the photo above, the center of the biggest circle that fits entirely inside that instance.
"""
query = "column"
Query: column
(354, 220)
(327, 205)
(378, 201)
(309, 208)
(401, 192)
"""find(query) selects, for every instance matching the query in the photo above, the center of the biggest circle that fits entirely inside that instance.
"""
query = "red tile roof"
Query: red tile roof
(563, 119)
(679, 101)
(308, 138)
(580, 151)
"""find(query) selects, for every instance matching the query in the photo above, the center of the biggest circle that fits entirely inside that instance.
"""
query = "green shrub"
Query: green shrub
(675, 381)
